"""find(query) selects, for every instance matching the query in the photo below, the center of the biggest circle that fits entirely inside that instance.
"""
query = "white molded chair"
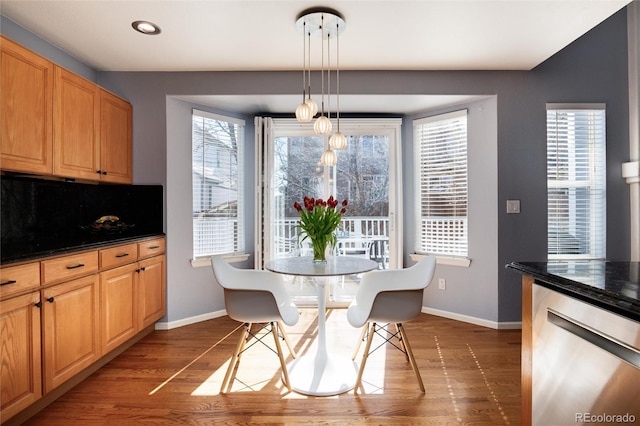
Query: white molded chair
(391, 296)
(255, 297)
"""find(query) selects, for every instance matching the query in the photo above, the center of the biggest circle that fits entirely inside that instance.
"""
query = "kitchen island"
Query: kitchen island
(580, 342)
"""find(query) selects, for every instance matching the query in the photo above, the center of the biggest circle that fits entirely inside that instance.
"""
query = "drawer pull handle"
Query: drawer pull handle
(153, 247)
(122, 255)
(50, 299)
(8, 282)
(79, 265)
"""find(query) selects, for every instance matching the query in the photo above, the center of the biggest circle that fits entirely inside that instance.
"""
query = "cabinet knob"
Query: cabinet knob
(104, 172)
(50, 299)
(38, 305)
(99, 171)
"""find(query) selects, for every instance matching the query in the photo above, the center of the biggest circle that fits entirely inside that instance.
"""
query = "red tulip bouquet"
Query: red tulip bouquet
(319, 220)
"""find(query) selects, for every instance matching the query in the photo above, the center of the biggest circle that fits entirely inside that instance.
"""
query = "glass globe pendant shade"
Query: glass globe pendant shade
(303, 113)
(322, 126)
(313, 106)
(328, 158)
(338, 141)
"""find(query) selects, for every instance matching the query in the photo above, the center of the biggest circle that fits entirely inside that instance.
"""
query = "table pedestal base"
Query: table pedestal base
(322, 376)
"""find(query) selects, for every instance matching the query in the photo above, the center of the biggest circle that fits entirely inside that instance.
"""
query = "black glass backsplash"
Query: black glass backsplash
(41, 217)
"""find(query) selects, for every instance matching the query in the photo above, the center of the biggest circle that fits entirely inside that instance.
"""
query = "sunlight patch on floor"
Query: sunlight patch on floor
(492, 394)
(452, 394)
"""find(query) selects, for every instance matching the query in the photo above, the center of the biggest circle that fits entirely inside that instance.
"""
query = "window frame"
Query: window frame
(452, 257)
(595, 185)
(237, 177)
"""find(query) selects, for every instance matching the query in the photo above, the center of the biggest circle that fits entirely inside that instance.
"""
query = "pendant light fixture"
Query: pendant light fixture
(303, 112)
(322, 125)
(313, 106)
(338, 139)
(327, 24)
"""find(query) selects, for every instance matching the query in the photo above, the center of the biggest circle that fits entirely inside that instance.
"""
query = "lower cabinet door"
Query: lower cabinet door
(151, 291)
(21, 372)
(118, 305)
(70, 329)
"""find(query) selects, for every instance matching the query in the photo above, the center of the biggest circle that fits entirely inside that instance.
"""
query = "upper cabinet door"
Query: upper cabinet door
(115, 139)
(26, 102)
(76, 140)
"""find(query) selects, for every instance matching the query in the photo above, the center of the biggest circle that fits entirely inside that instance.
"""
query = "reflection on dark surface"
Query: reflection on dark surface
(41, 217)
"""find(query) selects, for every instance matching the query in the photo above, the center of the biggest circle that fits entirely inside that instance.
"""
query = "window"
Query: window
(217, 170)
(576, 188)
(441, 184)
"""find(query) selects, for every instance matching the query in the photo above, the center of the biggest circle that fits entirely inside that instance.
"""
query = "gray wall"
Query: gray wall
(31, 41)
(592, 69)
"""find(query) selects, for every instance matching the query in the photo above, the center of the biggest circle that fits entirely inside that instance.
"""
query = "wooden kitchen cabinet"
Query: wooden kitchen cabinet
(92, 131)
(16, 279)
(76, 124)
(61, 316)
(151, 298)
(118, 305)
(21, 377)
(26, 102)
(70, 315)
(116, 150)
(55, 122)
(65, 268)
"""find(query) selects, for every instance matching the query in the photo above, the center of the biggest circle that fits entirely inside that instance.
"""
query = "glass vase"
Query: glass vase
(320, 249)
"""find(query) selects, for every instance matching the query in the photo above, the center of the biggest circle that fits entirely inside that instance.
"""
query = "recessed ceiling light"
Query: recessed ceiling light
(146, 27)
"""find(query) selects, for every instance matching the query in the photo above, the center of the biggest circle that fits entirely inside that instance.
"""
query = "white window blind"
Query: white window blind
(441, 183)
(217, 170)
(576, 185)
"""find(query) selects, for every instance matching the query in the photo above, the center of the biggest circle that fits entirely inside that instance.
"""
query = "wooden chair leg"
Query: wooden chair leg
(365, 355)
(401, 339)
(235, 359)
(412, 360)
(286, 340)
(285, 373)
(360, 340)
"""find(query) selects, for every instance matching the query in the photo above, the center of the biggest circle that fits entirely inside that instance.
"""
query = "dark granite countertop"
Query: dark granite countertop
(613, 286)
(25, 252)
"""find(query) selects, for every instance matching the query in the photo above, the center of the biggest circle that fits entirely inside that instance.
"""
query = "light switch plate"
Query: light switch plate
(513, 206)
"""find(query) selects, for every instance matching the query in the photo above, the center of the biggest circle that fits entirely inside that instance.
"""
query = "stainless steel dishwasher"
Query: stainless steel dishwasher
(586, 363)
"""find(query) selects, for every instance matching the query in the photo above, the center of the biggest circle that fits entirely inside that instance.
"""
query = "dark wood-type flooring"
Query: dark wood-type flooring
(471, 375)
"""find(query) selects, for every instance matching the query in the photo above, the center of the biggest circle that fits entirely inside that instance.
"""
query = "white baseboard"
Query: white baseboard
(191, 320)
(510, 325)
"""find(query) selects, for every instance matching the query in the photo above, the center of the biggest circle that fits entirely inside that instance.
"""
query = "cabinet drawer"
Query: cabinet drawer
(14, 279)
(72, 266)
(120, 255)
(150, 247)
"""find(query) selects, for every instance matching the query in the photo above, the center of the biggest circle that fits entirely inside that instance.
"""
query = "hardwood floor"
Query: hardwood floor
(471, 375)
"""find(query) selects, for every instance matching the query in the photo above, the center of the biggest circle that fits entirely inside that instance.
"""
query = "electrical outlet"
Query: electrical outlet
(442, 284)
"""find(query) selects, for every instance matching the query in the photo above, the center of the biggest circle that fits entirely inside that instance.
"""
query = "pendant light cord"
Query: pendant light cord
(322, 58)
(304, 83)
(338, 73)
(309, 62)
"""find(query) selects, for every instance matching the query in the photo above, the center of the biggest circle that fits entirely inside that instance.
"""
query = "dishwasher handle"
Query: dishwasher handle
(610, 344)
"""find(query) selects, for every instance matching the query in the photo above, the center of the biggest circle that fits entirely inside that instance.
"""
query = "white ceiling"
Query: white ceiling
(261, 34)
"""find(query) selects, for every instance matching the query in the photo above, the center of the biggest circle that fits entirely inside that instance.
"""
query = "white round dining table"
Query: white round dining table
(322, 374)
